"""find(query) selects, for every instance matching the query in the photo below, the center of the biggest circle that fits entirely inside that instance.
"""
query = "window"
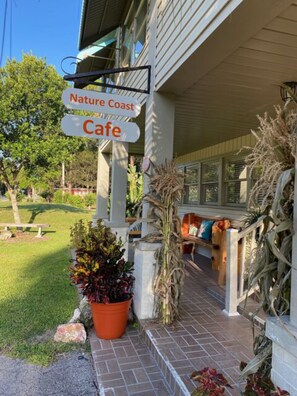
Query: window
(210, 182)
(191, 184)
(139, 30)
(235, 182)
(223, 181)
(134, 32)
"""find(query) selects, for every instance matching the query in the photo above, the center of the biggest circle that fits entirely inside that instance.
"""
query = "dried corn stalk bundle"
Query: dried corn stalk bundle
(274, 155)
(165, 190)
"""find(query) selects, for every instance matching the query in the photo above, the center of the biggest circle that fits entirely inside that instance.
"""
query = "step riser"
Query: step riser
(169, 373)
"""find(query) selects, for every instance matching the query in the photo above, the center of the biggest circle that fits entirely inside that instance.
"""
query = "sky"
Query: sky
(47, 28)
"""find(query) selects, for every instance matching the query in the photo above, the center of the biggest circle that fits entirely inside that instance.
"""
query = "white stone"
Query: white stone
(76, 316)
(5, 235)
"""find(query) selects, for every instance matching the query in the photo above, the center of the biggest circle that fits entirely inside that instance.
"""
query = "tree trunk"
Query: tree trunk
(14, 204)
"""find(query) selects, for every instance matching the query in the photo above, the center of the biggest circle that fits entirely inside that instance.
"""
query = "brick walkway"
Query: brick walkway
(155, 360)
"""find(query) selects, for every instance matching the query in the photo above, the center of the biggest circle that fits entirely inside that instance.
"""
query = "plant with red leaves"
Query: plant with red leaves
(259, 384)
(100, 269)
(211, 382)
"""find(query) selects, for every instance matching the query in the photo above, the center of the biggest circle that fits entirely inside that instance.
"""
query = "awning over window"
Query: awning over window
(100, 17)
(96, 56)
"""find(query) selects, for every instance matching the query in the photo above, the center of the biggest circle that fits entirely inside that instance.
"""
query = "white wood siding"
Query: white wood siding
(221, 149)
(183, 25)
(137, 79)
(235, 215)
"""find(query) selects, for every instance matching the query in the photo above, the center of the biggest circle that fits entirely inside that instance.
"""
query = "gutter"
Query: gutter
(82, 23)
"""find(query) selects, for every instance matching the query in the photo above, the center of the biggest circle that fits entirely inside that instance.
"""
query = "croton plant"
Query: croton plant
(100, 269)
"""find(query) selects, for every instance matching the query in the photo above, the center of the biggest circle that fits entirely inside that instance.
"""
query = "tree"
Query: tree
(31, 140)
(82, 170)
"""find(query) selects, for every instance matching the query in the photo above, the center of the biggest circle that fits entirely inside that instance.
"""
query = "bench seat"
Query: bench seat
(217, 243)
(26, 225)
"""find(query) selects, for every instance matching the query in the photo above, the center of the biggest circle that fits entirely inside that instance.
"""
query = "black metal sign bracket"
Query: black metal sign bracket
(87, 78)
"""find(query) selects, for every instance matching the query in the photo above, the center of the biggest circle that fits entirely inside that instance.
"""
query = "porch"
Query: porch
(155, 360)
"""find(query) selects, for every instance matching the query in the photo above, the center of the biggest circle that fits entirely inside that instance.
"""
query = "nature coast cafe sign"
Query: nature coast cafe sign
(100, 128)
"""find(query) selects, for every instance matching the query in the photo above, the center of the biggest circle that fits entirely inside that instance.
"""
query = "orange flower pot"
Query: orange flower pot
(110, 320)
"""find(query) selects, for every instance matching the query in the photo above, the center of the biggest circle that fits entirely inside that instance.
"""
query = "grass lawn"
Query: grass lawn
(35, 293)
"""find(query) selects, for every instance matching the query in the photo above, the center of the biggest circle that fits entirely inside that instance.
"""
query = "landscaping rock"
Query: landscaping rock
(86, 314)
(71, 332)
(5, 235)
(76, 316)
(83, 314)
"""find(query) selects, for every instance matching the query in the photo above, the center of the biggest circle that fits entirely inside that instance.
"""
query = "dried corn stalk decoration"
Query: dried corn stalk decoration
(274, 156)
(165, 190)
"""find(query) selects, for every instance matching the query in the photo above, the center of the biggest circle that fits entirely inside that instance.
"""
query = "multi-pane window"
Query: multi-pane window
(134, 32)
(191, 184)
(235, 182)
(223, 181)
(210, 173)
(139, 30)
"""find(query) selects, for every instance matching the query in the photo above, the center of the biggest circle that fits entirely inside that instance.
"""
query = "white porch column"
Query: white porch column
(118, 192)
(102, 186)
(283, 332)
(231, 273)
(144, 272)
(159, 135)
(118, 182)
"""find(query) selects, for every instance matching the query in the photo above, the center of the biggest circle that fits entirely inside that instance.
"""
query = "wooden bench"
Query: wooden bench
(217, 243)
(26, 225)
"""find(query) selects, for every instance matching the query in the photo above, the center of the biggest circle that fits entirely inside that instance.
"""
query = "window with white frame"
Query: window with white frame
(235, 181)
(222, 181)
(191, 184)
(134, 32)
(210, 173)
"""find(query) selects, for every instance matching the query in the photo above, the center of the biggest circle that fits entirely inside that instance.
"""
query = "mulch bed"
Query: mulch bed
(19, 236)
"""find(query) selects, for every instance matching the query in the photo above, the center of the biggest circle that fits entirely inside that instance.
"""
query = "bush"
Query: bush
(75, 200)
(47, 195)
(90, 200)
(58, 196)
(100, 269)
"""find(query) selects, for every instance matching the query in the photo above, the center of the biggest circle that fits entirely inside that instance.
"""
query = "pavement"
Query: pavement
(72, 375)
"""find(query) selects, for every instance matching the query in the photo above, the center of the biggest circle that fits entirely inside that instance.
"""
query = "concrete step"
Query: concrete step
(172, 378)
(126, 366)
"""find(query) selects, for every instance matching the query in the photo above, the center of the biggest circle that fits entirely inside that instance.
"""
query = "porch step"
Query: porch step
(172, 378)
(125, 366)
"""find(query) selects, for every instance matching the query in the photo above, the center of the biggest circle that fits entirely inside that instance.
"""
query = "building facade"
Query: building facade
(214, 65)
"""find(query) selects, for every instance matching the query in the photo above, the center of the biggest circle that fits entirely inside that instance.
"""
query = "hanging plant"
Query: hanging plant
(165, 191)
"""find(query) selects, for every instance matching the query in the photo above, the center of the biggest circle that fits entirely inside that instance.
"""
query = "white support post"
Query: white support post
(231, 272)
(118, 183)
(118, 193)
(102, 186)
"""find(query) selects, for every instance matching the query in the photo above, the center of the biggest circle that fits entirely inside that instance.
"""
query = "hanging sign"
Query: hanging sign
(80, 99)
(100, 128)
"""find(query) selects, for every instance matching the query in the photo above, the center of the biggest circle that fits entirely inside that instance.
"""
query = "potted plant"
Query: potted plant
(104, 277)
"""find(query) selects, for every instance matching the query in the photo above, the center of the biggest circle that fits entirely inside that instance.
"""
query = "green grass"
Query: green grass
(35, 293)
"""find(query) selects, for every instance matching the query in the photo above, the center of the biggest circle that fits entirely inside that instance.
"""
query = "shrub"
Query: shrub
(90, 200)
(100, 269)
(211, 382)
(58, 197)
(75, 200)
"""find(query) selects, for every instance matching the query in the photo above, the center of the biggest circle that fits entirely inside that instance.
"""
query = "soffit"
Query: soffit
(94, 62)
(225, 102)
(100, 17)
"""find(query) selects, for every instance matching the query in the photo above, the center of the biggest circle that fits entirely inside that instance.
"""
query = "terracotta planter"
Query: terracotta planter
(110, 320)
